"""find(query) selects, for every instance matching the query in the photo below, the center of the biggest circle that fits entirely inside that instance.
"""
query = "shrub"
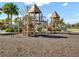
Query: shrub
(9, 30)
(4, 27)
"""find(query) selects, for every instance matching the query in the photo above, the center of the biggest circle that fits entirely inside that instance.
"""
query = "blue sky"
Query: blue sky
(67, 10)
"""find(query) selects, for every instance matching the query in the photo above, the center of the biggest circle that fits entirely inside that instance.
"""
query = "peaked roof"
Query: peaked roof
(34, 9)
(55, 15)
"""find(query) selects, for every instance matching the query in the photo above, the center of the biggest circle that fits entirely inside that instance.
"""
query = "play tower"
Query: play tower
(33, 20)
(55, 19)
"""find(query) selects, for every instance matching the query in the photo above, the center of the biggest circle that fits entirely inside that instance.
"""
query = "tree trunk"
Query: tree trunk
(11, 18)
(8, 17)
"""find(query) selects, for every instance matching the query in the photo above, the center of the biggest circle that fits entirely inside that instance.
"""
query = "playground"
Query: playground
(32, 34)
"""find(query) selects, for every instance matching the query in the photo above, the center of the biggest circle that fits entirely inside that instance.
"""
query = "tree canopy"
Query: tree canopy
(10, 9)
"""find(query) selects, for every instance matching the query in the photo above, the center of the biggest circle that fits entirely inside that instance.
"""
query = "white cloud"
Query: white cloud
(38, 3)
(65, 4)
(49, 15)
(77, 14)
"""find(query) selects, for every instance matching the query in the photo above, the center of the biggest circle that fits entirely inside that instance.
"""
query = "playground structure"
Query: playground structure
(55, 22)
(33, 21)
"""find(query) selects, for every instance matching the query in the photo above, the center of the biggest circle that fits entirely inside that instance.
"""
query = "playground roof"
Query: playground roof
(55, 15)
(34, 9)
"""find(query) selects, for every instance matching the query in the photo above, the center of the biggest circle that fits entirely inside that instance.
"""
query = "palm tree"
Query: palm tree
(10, 9)
(6, 10)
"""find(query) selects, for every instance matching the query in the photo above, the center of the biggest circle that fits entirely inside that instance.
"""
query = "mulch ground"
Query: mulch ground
(43, 46)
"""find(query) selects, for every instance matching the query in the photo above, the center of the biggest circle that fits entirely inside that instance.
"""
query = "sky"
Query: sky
(67, 10)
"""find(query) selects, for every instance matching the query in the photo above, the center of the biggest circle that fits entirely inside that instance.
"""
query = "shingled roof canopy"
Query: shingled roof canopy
(55, 15)
(34, 9)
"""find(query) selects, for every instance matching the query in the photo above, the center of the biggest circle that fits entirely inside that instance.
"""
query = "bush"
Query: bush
(9, 30)
(4, 27)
